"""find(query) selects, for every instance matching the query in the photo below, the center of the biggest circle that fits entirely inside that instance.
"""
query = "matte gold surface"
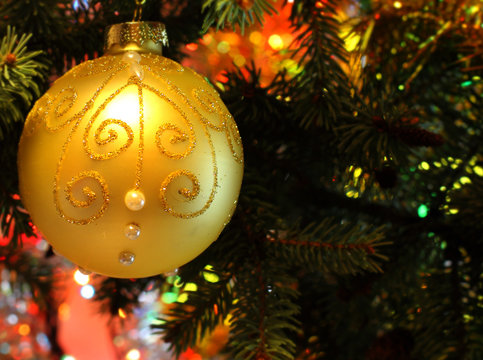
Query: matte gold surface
(102, 131)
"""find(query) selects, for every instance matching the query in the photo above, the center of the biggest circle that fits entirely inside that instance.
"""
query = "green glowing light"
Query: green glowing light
(443, 245)
(466, 83)
(423, 211)
(169, 297)
(401, 87)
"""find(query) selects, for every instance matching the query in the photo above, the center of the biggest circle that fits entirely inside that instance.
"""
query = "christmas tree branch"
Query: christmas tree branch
(240, 13)
(185, 324)
(322, 90)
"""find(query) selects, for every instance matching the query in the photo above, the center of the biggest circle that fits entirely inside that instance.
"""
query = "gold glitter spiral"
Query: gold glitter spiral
(177, 136)
(233, 136)
(187, 193)
(88, 193)
(111, 133)
(37, 115)
(101, 138)
(62, 103)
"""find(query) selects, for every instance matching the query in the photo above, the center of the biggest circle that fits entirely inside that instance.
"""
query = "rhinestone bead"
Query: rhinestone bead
(126, 258)
(132, 231)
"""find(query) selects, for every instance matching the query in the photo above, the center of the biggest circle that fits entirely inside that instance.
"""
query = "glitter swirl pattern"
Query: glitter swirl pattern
(105, 138)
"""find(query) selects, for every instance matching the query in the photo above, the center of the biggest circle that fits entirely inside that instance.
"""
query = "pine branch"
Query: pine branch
(123, 294)
(187, 323)
(321, 91)
(20, 73)
(264, 313)
(331, 247)
(30, 270)
(234, 13)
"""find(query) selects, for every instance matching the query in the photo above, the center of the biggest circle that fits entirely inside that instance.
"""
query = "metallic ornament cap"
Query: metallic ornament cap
(137, 36)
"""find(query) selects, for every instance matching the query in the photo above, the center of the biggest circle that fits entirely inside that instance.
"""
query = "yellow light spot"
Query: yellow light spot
(255, 37)
(182, 298)
(350, 193)
(478, 170)
(275, 42)
(351, 41)
(357, 172)
(223, 47)
(424, 286)
(239, 60)
(24, 329)
(133, 354)
(424, 165)
(456, 186)
(437, 164)
(397, 4)
(207, 39)
(291, 66)
(228, 320)
(465, 180)
(453, 211)
(122, 313)
(442, 188)
(379, 76)
(454, 166)
(191, 287)
(210, 277)
(81, 278)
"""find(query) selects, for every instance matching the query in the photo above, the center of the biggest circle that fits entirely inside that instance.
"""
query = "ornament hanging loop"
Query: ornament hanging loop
(138, 11)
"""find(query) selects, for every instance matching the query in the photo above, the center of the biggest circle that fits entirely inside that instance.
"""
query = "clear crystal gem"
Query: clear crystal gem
(132, 231)
(126, 258)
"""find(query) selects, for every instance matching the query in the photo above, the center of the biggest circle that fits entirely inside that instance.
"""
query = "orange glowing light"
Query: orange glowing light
(64, 312)
(255, 37)
(192, 47)
(24, 329)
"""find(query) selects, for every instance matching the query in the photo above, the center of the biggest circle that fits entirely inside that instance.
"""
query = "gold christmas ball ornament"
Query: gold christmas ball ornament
(130, 165)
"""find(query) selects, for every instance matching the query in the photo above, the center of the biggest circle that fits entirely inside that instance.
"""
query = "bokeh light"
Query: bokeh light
(80, 278)
(133, 354)
(87, 291)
